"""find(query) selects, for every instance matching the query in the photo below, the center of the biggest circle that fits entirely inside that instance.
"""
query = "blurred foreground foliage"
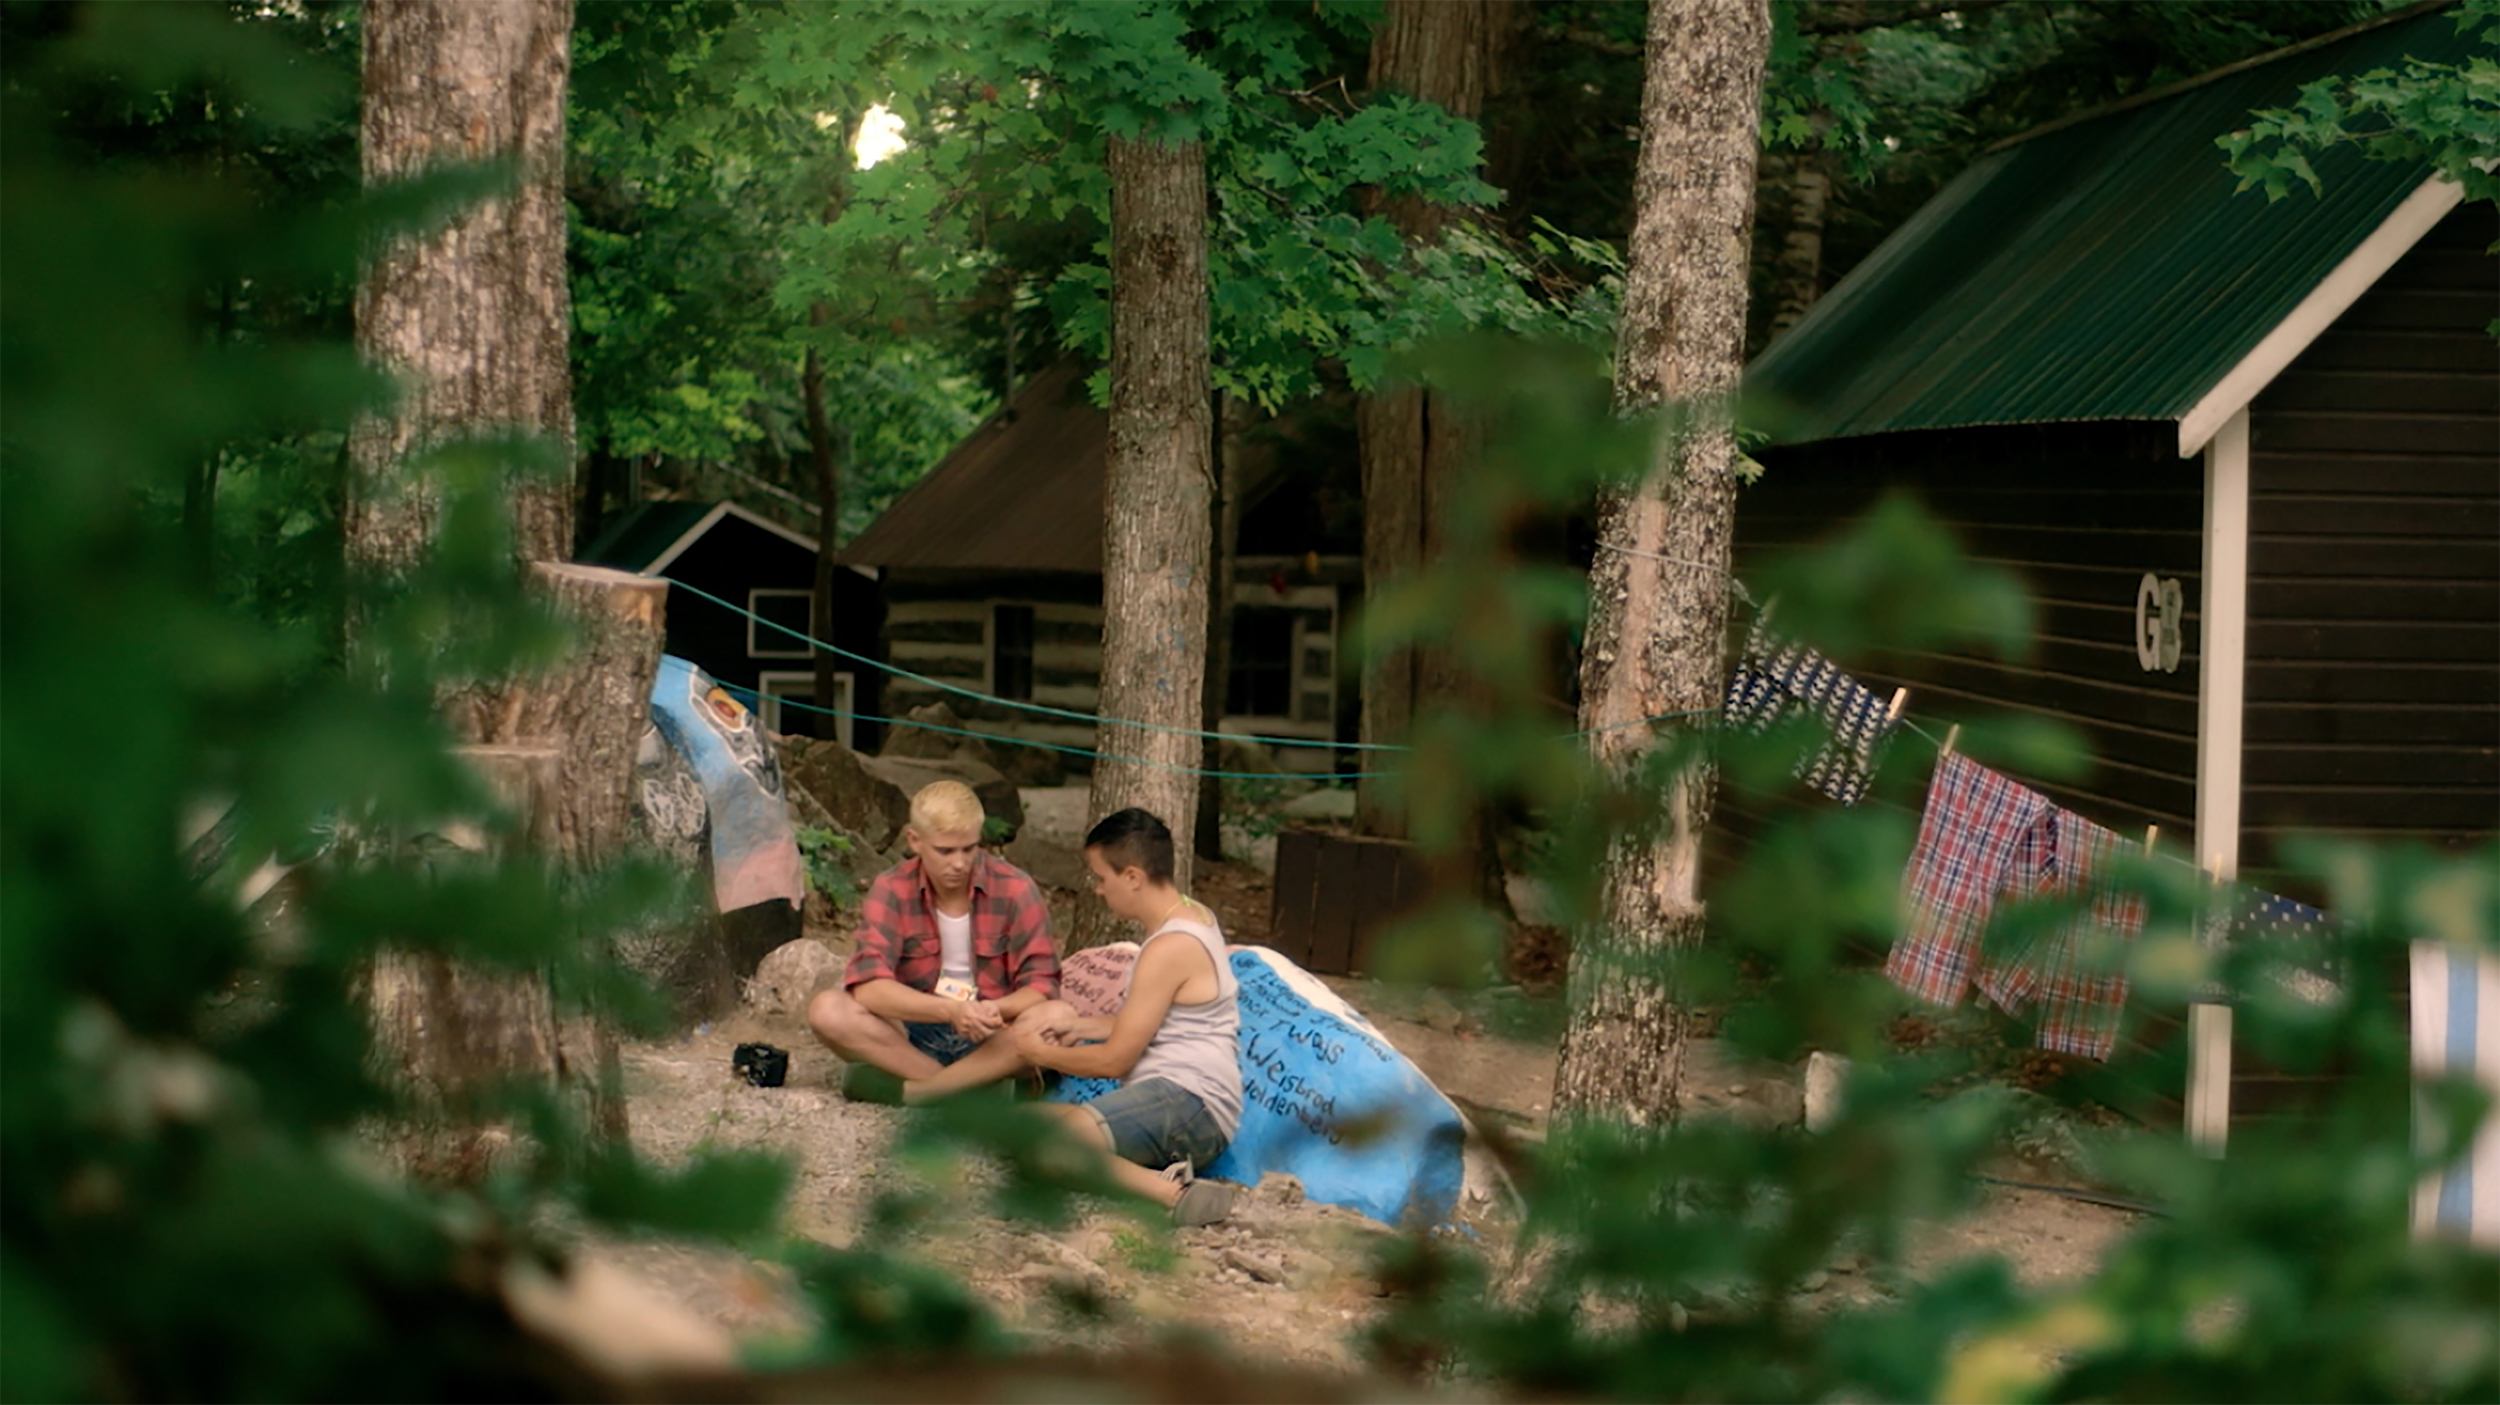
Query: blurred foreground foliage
(187, 1211)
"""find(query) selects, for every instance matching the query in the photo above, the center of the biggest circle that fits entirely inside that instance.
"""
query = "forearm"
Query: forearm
(1017, 1002)
(897, 1001)
(1083, 1060)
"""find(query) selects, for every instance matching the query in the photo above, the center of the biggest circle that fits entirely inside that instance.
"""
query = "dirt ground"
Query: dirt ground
(1286, 1280)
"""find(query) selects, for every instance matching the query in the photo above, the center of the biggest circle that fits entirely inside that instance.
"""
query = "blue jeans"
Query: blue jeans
(938, 1041)
(1155, 1122)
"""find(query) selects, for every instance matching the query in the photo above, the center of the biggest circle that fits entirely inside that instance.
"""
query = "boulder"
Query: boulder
(840, 786)
(948, 742)
(909, 774)
(790, 974)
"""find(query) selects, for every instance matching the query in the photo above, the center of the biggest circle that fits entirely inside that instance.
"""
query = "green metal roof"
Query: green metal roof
(2098, 270)
(637, 536)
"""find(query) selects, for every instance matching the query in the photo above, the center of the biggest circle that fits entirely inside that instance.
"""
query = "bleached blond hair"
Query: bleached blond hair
(947, 807)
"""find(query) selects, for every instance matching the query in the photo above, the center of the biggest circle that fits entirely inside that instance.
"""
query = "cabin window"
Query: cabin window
(1260, 683)
(787, 702)
(790, 610)
(1011, 651)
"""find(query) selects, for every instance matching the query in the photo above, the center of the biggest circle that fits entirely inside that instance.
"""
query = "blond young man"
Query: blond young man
(1174, 1044)
(954, 945)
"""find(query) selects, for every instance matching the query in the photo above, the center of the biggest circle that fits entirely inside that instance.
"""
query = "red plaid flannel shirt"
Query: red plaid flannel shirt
(1011, 946)
(1984, 839)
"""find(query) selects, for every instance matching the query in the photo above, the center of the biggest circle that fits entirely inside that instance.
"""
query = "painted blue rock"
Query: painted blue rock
(1325, 1099)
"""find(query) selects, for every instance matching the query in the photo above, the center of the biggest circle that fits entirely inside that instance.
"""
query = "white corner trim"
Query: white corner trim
(2221, 698)
(769, 525)
(2222, 649)
(685, 539)
(2338, 291)
(711, 519)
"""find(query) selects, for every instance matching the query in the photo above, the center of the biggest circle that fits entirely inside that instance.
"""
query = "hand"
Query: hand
(975, 1020)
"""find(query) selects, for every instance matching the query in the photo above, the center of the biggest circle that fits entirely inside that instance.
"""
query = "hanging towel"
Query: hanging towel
(1776, 676)
(2252, 915)
(2456, 1033)
(2067, 971)
(1982, 840)
(1981, 835)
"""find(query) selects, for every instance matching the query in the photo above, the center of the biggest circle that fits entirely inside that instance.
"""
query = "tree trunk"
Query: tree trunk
(825, 452)
(474, 318)
(1801, 181)
(1157, 485)
(1658, 588)
(1224, 520)
(1412, 441)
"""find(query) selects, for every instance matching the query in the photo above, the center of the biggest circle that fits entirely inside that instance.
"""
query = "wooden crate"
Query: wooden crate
(1335, 893)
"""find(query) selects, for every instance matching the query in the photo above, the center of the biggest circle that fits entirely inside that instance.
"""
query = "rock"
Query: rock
(1824, 1073)
(946, 742)
(1031, 767)
(909, 774)
(1770, 1104)
(1257, 1268)
(1243, 754)
(841, 786)
(1437, 1012)
(1281, 1188)
(1326, 803)
(790, 974)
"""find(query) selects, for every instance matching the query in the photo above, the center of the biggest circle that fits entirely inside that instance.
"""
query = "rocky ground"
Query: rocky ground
(1286, 1280)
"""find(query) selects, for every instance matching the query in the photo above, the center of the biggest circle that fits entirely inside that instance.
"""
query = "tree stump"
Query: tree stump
(558, 749)
(453, 1034)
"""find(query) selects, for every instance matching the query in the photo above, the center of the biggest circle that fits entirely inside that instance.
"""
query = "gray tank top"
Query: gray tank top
(1199, 1046)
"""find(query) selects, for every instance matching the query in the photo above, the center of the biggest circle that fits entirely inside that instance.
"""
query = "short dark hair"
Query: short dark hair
(1134, 838)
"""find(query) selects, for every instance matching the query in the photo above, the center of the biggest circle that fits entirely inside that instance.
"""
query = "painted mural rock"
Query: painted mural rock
(1325, 1098)
(755, 854)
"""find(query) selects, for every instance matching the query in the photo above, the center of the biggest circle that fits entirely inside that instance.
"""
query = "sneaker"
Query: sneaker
(867, 1083)
(1203, 1203)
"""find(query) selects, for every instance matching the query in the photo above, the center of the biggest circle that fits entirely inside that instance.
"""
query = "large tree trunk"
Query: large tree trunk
(1157, 485)
(1414, 442)
(1224, 521)
(1658, 588)
(473, 318)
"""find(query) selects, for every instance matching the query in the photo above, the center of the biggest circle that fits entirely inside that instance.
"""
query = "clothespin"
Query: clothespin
(2151, 833)
(1952, 734)
(1900, 698)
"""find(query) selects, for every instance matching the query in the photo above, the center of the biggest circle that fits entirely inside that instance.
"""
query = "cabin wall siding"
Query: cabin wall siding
(937, 625)
(2374, 564)
(736, 557)
(2080, 513)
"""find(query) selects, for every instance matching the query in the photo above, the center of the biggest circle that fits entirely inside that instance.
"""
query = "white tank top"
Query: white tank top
(954, 945)
(1199, 1046)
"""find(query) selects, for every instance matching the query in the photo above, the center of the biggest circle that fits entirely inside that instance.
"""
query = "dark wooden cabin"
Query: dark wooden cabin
(763, 567)
(2110, 372)
(991, 569)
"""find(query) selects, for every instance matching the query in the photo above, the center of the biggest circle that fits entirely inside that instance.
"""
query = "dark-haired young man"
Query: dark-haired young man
(1174, 1045)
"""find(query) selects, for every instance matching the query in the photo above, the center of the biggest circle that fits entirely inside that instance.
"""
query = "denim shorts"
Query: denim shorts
(1155, 1122)
(938, 1041)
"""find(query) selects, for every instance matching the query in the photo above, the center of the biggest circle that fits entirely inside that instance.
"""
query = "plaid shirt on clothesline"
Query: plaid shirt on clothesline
(1011, 945)
(1982, 840)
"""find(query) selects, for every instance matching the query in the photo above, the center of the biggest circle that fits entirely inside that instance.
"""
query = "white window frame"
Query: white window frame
(773, 685)
(756, 647)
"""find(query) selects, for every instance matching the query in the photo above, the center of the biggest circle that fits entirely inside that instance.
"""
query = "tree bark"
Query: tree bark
(474, 318)
(1412, 441)
(825, 452)
(1658, 588)
(1801, 183)
(1158, 484)
(1224, 521)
